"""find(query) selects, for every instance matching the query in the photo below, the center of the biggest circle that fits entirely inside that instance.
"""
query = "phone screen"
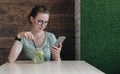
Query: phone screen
(60, 40)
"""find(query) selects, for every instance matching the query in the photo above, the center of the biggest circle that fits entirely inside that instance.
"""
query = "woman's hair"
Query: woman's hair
(38, 9)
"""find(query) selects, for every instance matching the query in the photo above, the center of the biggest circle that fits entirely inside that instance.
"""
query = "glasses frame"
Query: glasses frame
(41, 22)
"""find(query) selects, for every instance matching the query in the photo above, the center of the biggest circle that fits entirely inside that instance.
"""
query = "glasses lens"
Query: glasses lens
(40, 22)
(46, 23)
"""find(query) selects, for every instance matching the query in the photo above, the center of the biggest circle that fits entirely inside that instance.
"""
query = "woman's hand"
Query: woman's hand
(56, 52)
(28, 35)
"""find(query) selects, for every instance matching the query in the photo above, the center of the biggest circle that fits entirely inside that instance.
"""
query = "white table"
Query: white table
(49, 67)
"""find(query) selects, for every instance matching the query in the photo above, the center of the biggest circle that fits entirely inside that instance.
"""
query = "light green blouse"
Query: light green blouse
(28, 46)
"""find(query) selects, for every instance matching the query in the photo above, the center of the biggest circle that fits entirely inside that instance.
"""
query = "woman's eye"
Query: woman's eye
(40, 22)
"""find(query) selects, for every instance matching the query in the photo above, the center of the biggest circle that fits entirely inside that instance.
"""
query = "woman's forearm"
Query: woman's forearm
(15, 51)
(56, 57)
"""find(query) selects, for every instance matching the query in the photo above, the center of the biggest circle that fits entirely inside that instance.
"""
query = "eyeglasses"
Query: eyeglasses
(41, 22)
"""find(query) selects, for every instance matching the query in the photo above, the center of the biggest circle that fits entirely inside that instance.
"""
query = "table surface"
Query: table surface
(49, 67)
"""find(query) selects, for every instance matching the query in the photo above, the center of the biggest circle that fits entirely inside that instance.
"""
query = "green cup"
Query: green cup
(38, 56)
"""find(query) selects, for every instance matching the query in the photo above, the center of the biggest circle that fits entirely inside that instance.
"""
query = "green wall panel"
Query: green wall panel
(100, 34)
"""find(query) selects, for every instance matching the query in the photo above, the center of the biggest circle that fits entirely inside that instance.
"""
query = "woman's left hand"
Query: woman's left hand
(56, 52)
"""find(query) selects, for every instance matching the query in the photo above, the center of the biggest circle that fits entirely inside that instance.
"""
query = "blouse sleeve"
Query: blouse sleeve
(52, 39)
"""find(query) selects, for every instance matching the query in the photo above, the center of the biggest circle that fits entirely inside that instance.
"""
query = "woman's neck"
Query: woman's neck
(37, 33)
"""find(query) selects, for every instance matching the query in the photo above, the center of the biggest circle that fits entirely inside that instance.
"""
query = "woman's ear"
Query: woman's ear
(31, 19)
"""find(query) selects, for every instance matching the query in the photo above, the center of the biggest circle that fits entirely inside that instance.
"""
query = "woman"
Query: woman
(38, 17)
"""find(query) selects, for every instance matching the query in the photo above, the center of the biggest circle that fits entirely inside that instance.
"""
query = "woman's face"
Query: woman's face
(40, 21)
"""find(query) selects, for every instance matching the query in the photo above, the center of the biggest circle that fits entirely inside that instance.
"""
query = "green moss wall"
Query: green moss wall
(100, 34)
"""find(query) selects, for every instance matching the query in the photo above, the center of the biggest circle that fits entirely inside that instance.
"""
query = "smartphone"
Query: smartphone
(60, 40)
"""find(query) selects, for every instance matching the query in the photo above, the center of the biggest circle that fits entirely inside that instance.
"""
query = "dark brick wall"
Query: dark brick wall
(13, 19)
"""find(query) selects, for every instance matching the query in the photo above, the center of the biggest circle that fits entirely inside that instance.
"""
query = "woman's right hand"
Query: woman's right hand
(28, 35)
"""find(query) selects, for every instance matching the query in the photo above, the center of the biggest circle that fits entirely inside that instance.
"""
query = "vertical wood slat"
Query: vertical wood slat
(77, 29)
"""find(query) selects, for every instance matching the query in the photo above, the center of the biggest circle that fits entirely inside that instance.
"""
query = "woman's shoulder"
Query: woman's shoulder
(51, 38)
(50, 34)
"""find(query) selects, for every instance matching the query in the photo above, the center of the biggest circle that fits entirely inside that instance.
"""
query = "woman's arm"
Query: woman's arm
(56, 52)
(17, 46)
(15, 51)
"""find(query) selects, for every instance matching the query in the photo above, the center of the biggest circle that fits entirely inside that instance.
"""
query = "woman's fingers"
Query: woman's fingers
(31, 37)
(28, 35)
(60, 45)
(56, 50)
